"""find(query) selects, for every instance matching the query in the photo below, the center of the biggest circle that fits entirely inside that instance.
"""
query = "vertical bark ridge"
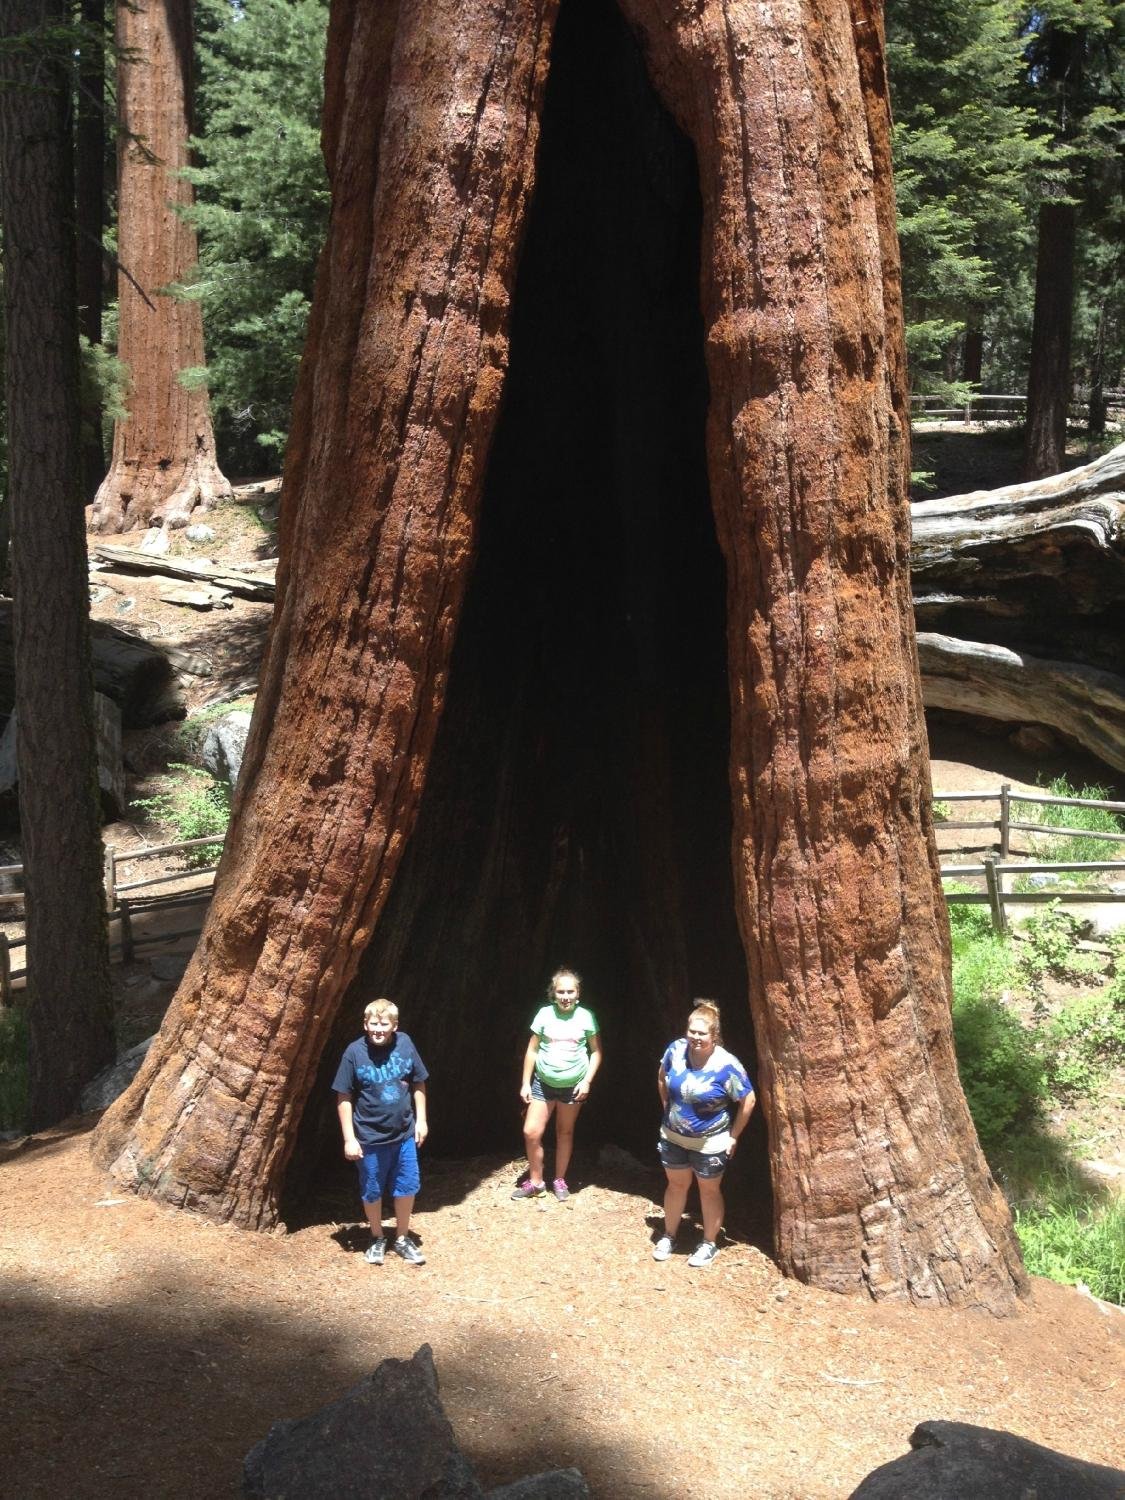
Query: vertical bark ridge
(398, 399)
(163, 465)
(878, 1178)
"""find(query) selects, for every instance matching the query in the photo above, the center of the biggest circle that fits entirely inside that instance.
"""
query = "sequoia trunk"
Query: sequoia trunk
(70, 1020)
(163, 466)
(878, 1179)
(1048, 379)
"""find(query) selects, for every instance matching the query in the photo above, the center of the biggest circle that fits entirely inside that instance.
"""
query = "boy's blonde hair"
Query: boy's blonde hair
(386, 1010)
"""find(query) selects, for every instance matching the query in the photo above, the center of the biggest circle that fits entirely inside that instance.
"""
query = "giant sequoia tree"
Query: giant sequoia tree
(164, 465)
(562, 806)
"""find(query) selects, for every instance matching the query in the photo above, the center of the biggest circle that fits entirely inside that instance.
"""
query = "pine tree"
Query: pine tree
(965, 153)
(261, 210)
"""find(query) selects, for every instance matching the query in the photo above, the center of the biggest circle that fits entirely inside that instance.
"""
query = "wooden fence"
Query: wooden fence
(133, 905)
(983, 408)
(998, 866)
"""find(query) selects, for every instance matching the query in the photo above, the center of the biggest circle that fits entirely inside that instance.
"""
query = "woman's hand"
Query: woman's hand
(525, 1093)
(353, 1151)
(581, 1091)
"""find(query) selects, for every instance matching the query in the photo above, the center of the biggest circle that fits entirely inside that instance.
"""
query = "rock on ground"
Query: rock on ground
(224, 744)
(387, 1437)
(979, 1463)
(105, 1086)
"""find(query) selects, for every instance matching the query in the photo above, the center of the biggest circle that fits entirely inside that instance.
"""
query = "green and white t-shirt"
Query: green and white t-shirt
(563, 1052)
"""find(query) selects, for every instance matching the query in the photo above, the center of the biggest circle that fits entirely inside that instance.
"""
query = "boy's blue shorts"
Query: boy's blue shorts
(393, 1168)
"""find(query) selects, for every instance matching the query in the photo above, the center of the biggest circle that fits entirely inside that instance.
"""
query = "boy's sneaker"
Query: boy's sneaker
(703, 1254)
(528, 1190)
(560, 1189)
(375, 1252)
(663, 1247)
(409, 1251)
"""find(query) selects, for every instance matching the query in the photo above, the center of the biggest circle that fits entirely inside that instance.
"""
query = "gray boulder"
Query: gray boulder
(555, 1484)
(224, 744)
(955, 1459)
(387, 1437)
(105, 1086)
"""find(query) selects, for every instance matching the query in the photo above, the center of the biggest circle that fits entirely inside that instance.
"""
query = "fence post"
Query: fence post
(5, 971)
(1005, 814)
(995, 885)
(968, 412)
(109, 866)
(127, 949)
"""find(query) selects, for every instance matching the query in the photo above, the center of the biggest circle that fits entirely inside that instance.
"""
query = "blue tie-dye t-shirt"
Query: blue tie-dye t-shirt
(700, 1099)
(380, 1081)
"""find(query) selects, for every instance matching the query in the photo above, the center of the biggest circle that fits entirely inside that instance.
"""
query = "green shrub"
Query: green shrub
(1071, 1242)
(1050, 948)
(1002, 1071)
(1085, 1039)
(195, 806)
(13, 1069)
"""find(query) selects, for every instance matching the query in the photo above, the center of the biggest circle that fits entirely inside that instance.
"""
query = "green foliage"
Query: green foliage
(261, 211)
(192, 732)
(1083, 1041)
(1048, 949)
(13, 1069)
(964, 154)
(942, 812)
(195, 806)
(1075, 1241)
(1072, 848)
(1001, 1070)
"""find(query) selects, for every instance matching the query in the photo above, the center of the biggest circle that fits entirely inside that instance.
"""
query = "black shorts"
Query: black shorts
(547, 1093)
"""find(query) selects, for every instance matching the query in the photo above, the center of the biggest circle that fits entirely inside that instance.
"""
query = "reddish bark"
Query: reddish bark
(164, 465)
(879, 1182)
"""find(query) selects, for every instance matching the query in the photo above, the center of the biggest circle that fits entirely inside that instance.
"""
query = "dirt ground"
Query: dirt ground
(145, 1350)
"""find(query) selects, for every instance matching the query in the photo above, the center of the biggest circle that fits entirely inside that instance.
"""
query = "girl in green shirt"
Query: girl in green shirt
(562, 1057)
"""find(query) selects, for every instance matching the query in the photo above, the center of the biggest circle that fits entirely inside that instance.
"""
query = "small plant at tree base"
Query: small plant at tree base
(1050, 948)
(196, 806)
(942, 812)
(1001, 1070)
(1083, 1041)
(1070, 1242)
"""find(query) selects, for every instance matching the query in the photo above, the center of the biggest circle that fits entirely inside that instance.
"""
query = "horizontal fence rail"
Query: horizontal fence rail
(998, 867)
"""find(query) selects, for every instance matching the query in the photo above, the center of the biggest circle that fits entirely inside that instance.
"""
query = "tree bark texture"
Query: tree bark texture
(1030, 580)
(1048, 380)
(89, 158)
(878, 1179)
(163, 466)
(69, 1012)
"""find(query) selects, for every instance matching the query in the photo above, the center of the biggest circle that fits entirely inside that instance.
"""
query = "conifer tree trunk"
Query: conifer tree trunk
(1048, 380)
(879, 1183)
(69, 1013)
(90, 148)
(164, 466)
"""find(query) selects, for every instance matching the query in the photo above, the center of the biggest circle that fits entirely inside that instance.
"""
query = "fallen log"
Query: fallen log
(256, 585)
(975, 677)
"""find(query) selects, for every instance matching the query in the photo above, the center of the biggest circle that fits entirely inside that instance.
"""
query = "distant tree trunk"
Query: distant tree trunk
(164, 466)
(1048, 381)
(90, 146)
(69, 1013)
(879, 1184)
(972, 356)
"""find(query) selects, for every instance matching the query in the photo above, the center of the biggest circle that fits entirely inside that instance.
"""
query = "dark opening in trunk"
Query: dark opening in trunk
(577, 809)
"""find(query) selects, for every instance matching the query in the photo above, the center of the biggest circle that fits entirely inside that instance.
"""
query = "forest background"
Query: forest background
(1009, 149)
(1009, 134)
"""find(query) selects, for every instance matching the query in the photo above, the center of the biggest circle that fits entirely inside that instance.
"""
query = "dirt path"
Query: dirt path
(145, 1351)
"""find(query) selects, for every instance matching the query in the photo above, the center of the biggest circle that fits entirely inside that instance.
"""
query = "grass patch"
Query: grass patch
(195, 806)
(13, 1068)
(1071, 847)
(1069, 1228)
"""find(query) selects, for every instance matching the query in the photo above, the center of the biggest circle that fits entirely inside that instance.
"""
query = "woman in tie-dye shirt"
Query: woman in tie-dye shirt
(708, 1100)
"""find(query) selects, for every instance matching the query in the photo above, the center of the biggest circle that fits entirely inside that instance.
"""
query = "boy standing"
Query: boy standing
(381, 1103)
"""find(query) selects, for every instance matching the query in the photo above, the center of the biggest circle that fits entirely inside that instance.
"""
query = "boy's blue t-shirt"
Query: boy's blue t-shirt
(700, 1099)
(380, 1081)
